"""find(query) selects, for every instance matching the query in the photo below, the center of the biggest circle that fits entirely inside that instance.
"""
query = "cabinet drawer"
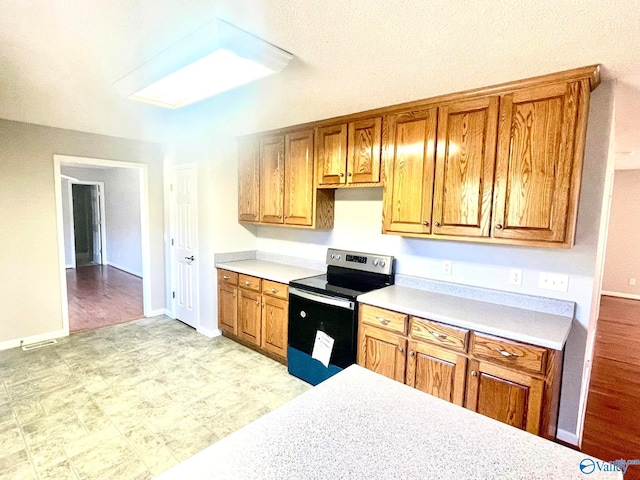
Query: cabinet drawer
(249, 283)
(438, 333)
(508, 352)
(228, 277)
(380, 317)
(275, 289)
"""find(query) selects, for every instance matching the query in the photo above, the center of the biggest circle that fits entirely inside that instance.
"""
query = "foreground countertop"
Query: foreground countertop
(278, 272)
(528, 326)
(359, 424)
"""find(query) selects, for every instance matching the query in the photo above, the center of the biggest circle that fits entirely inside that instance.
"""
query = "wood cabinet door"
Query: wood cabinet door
(228, 308)
(331, 154)
(271, 179)
(505, 395)
(383, 352)
(249, 316)
(537, 176)
(436, 371)
(409, 155)
(275, 325)
(248, 180)
(298, 179)
(363, 150)
(465, 159)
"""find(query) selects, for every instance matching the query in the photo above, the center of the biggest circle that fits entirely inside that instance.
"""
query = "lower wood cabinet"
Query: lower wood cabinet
(254, 311)
(509, 381)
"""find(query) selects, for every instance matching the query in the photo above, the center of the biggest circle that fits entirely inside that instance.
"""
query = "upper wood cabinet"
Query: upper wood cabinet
(248, 180)
(409, 154)
(539, 162)
(348, 154)
(465, 158)
(272, 179)
(298, 183)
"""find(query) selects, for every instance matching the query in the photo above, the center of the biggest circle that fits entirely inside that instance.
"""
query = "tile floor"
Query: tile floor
(129, 401)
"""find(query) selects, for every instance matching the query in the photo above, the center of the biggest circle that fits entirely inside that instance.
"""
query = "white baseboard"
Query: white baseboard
(209, 332)
(70, 265)
(124, 269)
(567, 437)
(33, 339)
(156, 312)
(632, 296)
(169, 313)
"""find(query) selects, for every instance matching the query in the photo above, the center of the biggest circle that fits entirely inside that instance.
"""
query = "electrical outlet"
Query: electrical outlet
(632, 282)
(446, 267)
(515, 276)
(553, 281)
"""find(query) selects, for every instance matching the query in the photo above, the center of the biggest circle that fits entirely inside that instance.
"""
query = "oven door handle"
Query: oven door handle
(326, 299)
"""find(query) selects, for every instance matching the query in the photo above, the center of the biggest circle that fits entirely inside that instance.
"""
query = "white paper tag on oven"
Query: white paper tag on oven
(322, 348)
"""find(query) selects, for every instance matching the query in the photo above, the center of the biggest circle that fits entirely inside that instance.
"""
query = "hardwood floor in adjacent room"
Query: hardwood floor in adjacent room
(101, 295)
(612, 425)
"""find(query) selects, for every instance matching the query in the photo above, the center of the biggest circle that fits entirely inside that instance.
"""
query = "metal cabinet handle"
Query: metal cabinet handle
(400, 349)
(286, 216)
(274, 290)
(504, 353)
(382, 320)
(226, 277)
(474, 373)
(499, 226)
(247, 282)
(425, 223)
(437, 224)
(233, 295)
(412, 353)
(341, 174)
(257, 303)
(349, 173)
(439, 336)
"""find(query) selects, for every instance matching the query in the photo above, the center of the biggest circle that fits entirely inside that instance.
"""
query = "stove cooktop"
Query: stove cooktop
(320, 284)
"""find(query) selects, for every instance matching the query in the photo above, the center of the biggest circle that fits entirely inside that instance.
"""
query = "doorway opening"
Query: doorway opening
(103, 239)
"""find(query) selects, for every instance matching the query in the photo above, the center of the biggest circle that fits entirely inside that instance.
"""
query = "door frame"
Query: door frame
(170, 209)
(103, 223)
(143, 170)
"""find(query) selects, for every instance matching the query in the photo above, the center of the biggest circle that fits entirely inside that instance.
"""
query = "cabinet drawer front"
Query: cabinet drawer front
(380, 317)
(228, 277)
(275, 289)
(250, 283)
(438, 333)
(508, 352)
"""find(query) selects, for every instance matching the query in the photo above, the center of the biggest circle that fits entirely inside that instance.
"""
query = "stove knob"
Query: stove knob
(375, 262)
(382, 263)
(338, 257)
(333, 256)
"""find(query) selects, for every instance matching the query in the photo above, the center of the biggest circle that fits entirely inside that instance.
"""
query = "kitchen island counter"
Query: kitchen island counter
(359, 424)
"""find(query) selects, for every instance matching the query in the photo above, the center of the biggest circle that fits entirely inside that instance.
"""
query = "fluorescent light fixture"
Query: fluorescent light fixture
(214, 59)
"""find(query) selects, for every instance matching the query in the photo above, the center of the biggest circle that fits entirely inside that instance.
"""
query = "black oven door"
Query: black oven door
(310, 312)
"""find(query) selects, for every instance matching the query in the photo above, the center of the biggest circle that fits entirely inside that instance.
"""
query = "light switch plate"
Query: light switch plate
(553, 281)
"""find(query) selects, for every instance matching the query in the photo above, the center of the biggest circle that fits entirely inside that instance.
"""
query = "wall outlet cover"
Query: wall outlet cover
(632, 281)
(553, 281)
(446, 267)
(515, 276)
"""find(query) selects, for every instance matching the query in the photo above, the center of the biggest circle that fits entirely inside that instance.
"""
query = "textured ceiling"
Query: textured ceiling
(60, 58)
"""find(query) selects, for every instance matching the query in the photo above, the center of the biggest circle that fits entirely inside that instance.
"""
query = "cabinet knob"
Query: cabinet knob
(474, 373)
(425, 223)
(499, 226)
(412, 353)
(437, 224)
(400, 349)
(349, 173)
(274, 290)
(257, 303)
(233, 295)
(247, 282)
(286, 216)
(341, 174)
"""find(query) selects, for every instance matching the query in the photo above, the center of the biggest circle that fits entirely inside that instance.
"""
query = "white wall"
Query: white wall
(622, 259)
(30, 281)
(122, 214)
(358, 226)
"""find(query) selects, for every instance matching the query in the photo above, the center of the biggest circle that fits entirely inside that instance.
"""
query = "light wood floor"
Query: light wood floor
(101, 295)
(612, 421)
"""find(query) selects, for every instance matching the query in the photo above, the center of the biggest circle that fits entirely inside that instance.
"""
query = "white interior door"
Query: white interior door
(184, 243)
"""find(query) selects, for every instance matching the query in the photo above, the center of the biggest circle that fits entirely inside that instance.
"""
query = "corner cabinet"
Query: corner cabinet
(512, 382)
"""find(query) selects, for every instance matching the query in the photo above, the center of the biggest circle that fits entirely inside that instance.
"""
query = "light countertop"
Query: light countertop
(277, 272)
(543, 329)
(359, 424)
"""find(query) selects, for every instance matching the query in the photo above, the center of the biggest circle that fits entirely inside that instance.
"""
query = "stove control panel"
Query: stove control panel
(368, 262)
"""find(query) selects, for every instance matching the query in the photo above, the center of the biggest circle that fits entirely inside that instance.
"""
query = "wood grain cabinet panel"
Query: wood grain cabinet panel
(383, 318)
(272, 179)
(443, 335)
(331, 154)
(539, 162)
(465, 158)
(249, 316)
(436, 371)
(248, 180)
(228, 308)
(505, 395)
(383, 352)
(363, 151)
(509, 353)
(409, 155)
(298, 183)
(275, 325)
